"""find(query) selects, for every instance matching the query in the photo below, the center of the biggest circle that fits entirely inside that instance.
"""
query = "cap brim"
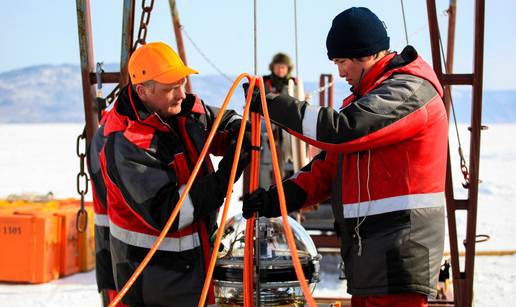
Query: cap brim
(175, 74)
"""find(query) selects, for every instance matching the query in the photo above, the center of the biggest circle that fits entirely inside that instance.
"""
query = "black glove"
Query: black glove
(224, 170)
(209, 191)
(264, 202)
(256, 104)
(234, 129)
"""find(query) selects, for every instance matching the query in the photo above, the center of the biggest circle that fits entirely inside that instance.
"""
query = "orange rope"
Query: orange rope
(213, 259)
(253, 184)
(180, 203)
(250, 226)
(281, 194)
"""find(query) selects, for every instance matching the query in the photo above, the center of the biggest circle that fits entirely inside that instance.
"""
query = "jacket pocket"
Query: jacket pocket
(178, 284)
(406, 265)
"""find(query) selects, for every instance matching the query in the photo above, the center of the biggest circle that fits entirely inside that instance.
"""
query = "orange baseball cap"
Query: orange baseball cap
(159, 62)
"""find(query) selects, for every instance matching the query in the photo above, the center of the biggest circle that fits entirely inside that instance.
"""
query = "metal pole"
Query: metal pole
(452, 13)
(257, 254)
(404, 21)
(450, 48)
(330, 90)
(179, 39)
(87, 66)
(295, 38)
(322, 94)
(463, 281)
(257, 221)
(434, 37)
(450, 197)
(474, 153)
(326, 94)
(255, 41)
(127, 40)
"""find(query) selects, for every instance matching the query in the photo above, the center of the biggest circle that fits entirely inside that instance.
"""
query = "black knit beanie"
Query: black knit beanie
(356, 32)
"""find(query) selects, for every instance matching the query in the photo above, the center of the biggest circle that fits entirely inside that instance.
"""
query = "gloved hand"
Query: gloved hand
(256, 104)
(234, 128)
(208, 192)
(224, 170)
(264, 202)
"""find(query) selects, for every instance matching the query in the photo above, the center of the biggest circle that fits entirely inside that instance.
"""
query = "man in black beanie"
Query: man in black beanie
(383, 162)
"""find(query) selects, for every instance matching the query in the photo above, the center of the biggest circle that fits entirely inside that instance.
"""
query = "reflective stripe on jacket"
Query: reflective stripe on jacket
(146, 162)
(392, 135)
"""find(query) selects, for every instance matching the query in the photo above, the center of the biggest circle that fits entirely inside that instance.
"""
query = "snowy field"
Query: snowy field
(38, 158)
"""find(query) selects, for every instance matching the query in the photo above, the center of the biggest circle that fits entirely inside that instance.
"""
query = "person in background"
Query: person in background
(277, 81)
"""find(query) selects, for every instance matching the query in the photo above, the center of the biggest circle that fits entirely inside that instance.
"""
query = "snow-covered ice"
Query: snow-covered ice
(42, 157)
(76, 290)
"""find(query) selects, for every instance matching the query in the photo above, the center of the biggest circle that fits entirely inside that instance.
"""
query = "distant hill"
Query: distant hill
(52, 93)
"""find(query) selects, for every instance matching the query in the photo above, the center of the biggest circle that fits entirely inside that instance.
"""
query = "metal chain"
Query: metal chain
(144, 23)
(82, 215)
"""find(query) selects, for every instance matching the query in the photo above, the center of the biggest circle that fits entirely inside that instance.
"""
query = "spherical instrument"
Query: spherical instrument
(278, 282)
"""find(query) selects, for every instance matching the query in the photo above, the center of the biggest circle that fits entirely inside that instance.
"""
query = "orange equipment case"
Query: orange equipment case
(30, 247)
(41, 240)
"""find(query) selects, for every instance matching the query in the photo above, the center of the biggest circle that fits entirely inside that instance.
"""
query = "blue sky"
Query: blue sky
(45, 32)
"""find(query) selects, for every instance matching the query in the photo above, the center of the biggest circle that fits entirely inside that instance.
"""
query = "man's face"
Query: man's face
(353, 69)
(280, 70)
(164, 99)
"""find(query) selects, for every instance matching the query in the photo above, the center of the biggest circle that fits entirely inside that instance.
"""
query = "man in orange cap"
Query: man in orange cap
(150, 141)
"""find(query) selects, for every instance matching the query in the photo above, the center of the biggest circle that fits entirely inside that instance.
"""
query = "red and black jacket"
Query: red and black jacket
(391, 137)
(277, 85)
(103, 267)
(146, 162)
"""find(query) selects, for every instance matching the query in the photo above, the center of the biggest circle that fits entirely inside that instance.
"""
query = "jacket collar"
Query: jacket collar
(373, 74)
(130, 106)
(408, 62)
